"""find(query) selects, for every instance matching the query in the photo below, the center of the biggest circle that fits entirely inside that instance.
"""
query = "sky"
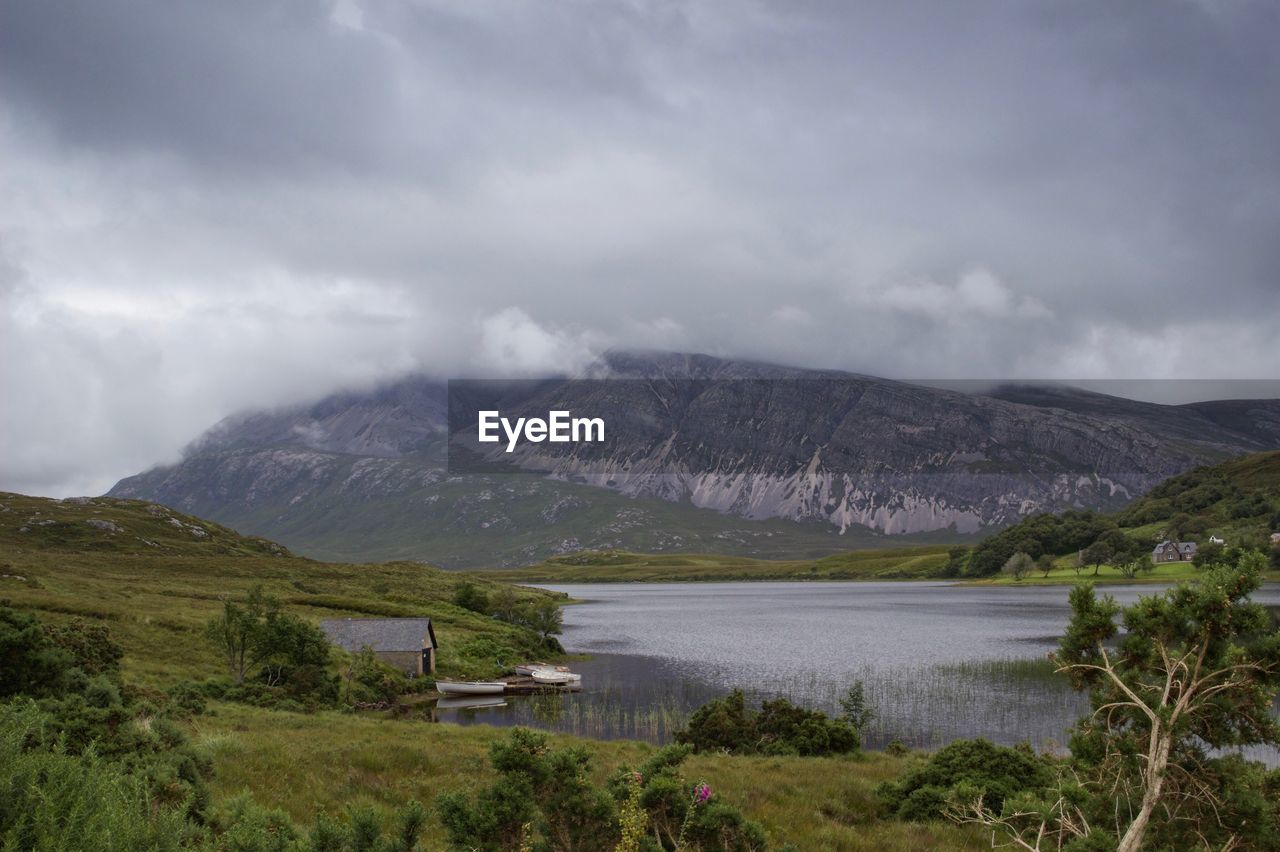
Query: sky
(208, 207)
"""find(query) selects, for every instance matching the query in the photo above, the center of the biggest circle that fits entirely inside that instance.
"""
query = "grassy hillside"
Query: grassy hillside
(154, 584)
(108, 525)
(898, 563)
(157, 576)
(1237, 501)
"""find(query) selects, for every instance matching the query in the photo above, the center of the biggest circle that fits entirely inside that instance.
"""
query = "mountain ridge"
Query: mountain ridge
(363, 474)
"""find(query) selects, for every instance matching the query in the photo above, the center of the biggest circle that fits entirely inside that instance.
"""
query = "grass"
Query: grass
(329, 760)
(922, 562)
(1064, 573)
(615, 566)
(158, 598)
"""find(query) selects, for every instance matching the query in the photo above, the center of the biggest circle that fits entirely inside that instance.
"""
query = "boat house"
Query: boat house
(409, 644)
(1174, 551)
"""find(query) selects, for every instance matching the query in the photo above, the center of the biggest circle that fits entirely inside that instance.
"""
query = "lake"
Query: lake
(939, 661)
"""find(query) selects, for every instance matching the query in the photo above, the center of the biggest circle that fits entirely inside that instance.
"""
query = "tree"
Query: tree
(956, 559)
(235, 632)
(1196, 668)
(469, 597)
(1133, 567)
(1097, 554)
(855, 709)
(1045, 563)
(1211, 554)
(1019, 565)
(504, 605)
(544, 617)
(1197, 664)
(259, 633)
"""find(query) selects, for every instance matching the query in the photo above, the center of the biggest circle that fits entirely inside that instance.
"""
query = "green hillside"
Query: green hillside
(156, 577)
(110, 525)
(898, 563)
(1237, 501)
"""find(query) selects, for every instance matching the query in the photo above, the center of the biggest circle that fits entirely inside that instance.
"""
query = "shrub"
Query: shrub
(39, 789)
(779, 727)
(30, 662)
(469, 597)
(546, 800)
(370, 680)
(683, 815)
(1019, 565)
(538, 786)
(963, 770)
(91, 647)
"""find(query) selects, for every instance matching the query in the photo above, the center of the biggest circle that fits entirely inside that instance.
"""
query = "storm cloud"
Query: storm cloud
(209, 206)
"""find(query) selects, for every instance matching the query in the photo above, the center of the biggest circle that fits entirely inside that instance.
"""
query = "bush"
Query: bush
(109, 808)
(87, 763)
(779, 727)
(1019, 565)
(963, 770)
(546, 800)
(369, 680)
(91, 647)
(469, 597)
(30, 662)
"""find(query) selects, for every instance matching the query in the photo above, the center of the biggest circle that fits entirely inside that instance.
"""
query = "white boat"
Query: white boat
(475, 687)
(551, 677)
(548, 671)
(527, 669)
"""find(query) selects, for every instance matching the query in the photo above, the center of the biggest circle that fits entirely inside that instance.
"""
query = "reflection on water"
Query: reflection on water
(623, 697)
(938, 662)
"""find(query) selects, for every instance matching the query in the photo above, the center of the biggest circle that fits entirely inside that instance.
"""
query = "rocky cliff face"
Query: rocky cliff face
(703, 454)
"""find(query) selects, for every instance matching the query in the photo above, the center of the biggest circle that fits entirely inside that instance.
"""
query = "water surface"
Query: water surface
(939, 661)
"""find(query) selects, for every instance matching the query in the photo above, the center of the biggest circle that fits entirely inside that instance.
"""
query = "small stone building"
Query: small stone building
(409, 644)
(1174, 551)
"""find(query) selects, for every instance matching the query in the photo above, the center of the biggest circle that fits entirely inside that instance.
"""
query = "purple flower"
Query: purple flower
(704, 794)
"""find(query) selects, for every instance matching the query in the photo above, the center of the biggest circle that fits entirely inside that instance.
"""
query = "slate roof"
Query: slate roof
(380, 634)
(1185, 548)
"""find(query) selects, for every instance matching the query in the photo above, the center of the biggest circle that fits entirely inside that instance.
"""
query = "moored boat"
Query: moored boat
(527, 669)
(551, 677)
(475, 687)
(548, 671)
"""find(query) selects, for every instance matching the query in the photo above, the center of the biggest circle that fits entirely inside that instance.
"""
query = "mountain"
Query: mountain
(704, 454)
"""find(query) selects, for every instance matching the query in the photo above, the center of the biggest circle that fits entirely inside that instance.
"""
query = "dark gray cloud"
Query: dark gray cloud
(206, 206)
